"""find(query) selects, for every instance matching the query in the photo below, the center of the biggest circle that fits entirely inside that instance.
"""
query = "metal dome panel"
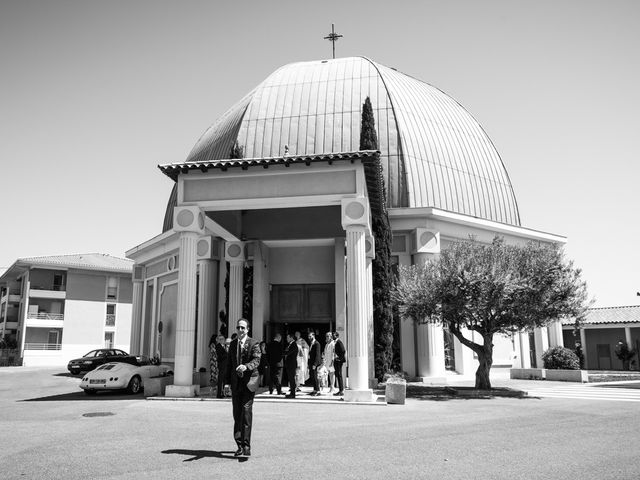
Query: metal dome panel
(433, 152)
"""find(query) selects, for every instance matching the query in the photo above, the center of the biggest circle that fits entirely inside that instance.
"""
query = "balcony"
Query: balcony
(42, 346)
(46, 316)
(41, 319)
(11, 297)
(51, 291)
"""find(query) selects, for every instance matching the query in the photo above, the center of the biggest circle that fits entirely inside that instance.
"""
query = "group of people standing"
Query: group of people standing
(240, 362)
(297, 362)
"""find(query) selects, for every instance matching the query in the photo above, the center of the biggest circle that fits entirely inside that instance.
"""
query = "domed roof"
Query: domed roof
(433, 152)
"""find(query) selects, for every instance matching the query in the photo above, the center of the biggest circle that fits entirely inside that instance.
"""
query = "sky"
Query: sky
(94, 95)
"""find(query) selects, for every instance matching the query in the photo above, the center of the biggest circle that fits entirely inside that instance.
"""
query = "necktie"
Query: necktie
(239, 352)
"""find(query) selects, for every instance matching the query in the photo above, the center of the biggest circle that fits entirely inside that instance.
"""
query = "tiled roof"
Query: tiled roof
(629, 314)
(173, 169)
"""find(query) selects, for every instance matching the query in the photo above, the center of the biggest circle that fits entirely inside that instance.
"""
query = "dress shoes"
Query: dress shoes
(289, 396)
(314, 394)
(246, 452)
(339, 394)
(238, 452)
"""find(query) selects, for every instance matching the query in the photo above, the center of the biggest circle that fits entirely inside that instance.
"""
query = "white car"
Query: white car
(117, 376)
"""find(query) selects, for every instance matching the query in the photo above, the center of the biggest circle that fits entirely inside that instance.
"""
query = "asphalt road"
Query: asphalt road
(51, 430)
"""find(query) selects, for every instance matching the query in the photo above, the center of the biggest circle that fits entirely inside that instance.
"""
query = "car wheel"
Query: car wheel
(90, 391)
(135, 385)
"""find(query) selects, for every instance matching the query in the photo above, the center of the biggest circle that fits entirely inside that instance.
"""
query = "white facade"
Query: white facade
(295, 214)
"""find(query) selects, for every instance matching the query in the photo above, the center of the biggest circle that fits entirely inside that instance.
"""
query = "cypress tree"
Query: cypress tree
(381, 264)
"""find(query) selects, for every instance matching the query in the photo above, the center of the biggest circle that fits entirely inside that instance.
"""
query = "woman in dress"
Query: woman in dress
(328, 359)
(303, 358)
(213, 364)
(263, 366)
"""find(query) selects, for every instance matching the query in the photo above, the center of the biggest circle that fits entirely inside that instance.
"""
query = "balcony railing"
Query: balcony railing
(42, 346)
(111, 320)
(46, 316)
(54, 287)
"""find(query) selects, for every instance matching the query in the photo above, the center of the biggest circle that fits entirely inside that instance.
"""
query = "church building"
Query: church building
(270, 219)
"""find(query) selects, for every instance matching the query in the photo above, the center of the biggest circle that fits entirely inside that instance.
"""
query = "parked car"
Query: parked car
(117, 376)
(98, 357)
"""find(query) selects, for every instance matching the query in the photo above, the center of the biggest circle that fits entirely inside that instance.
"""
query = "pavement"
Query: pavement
(51, 430)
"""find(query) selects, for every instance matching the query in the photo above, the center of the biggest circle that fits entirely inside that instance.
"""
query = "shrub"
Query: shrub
(560, 358)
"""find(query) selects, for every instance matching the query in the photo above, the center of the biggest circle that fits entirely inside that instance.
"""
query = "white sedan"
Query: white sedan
(117, 376)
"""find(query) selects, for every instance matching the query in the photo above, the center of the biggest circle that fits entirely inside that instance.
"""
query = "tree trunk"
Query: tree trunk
(485, 358)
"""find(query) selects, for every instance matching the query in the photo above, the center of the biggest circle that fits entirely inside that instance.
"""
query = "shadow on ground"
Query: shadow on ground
(75, 396)
(446, 393)
(200, 454)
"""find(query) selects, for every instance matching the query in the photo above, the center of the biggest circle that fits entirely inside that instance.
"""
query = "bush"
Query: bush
(560, 358)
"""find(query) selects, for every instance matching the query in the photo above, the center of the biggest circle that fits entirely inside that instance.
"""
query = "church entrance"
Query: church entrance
(302, 308)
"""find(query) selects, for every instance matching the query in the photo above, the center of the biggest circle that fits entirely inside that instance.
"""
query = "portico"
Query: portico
(236, 213)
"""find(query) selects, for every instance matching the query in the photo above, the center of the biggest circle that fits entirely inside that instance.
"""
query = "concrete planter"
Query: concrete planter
(395, 391)
(156, 386)
(549, 374)
(527, 373)
(568, 375)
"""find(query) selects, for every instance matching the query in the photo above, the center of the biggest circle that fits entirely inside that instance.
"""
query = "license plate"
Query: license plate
(94, 380)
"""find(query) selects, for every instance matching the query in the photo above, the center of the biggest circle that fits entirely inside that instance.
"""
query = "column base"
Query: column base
(365, 395)
(182, 391)
(433, 380)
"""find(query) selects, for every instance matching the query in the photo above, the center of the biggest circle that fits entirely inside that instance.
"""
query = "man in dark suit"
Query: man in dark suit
(291, 364)
(315, 360)
(274, 357)
(242, 374)
(339, 351)
(221, 356)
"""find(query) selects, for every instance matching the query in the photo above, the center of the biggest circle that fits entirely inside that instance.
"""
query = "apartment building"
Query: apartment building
(59, 307)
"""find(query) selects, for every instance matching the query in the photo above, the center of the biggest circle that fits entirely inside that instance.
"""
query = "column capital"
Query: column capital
(355, 213)
(208, 248)
(370, 247)
(138, 273)
(425, 240)
(188, 218)
(235, 252)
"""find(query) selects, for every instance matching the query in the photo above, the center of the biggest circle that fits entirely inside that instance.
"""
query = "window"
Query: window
(108, 339)
(112, 288)
(111, 315)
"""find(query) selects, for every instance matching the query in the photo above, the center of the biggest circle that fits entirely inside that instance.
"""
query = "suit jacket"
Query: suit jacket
(315, 355)
(339, 350)
(274, 353)
(291, 358)
(250, 357)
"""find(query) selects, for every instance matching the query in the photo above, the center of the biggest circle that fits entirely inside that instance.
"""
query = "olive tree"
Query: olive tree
(491, 289)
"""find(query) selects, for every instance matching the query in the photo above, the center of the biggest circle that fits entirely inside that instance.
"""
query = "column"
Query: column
(189, 222)
(340, 289)
(628, 340)
(541, 338)
(207, 297)
(525, 348)
(370, 253)
(355, 220)
(583, 344)
(430, 336)
(555, 334)
(235, 255)
(136, 313)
